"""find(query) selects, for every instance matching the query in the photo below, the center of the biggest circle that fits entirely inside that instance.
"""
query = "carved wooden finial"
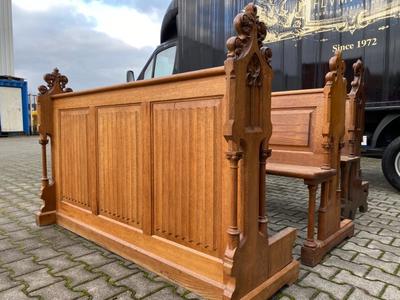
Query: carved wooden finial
(249, 29)
(337, 67)
(358, 80)
(56, 83)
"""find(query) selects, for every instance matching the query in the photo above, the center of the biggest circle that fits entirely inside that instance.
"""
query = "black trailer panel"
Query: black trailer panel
(303, 35)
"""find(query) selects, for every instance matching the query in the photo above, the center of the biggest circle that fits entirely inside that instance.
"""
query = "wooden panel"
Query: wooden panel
(119, 166)
(187, 156)
(297, 118)
(291, 127)
(74, 157)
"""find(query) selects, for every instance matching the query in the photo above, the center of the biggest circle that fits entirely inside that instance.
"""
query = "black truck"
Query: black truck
(303, 35)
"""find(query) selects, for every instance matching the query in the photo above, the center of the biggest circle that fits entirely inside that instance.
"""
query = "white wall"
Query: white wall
(6, 39)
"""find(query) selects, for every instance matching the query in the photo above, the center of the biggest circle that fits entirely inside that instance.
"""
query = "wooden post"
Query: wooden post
(233, 230)
(354, 190)
(335, 95)
(262, 218)
(250, 258)
(312, 194)
(56, 84)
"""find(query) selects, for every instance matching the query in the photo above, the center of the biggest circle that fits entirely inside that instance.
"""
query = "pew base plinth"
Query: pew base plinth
(311, 256)
(46, 218)
(286, 276)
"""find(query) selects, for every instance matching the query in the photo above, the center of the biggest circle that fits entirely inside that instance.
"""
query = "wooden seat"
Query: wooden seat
(309, 174)
(308, 129)
(156, 171)
(354, 191)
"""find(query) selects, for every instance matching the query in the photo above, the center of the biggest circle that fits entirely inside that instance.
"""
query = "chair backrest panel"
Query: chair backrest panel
(297, 133)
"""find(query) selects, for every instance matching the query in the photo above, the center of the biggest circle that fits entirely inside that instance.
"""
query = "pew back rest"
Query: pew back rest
(317, 118)
(297, 122)
(148, 155)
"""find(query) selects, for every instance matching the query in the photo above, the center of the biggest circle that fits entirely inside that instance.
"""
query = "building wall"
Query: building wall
(6, 39)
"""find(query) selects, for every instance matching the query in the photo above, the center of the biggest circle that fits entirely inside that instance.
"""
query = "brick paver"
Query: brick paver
(366, 266)
(53, 263)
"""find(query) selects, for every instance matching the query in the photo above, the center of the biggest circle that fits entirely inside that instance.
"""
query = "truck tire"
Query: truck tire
(391, 163)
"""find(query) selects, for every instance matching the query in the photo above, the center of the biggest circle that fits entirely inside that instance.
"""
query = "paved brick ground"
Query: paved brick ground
(53, 263)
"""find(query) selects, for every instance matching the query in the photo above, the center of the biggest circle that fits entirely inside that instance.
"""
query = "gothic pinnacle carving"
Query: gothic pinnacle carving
(336, 67)
(54, 80)
(249, 27)
(358, 71)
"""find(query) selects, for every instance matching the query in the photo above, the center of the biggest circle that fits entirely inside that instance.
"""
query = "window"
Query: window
(165, 61)
(149, 70)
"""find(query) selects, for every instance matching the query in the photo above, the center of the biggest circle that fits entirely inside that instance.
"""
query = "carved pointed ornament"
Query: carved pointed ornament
(244, 24)
(56, 83)
(337, 67)
(358, 81)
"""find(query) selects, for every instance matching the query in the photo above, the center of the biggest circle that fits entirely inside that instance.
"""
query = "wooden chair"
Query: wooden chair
(170, 173)
(354, 191)
(308, 129)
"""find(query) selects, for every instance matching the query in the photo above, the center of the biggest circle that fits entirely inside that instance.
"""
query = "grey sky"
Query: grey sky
(65, 38)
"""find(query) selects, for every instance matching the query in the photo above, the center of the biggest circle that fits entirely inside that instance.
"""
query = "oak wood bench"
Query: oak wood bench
(308, 128)
(170, 172)
(354, 191)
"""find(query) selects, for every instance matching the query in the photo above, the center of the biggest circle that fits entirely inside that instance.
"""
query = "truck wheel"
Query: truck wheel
(391, 163)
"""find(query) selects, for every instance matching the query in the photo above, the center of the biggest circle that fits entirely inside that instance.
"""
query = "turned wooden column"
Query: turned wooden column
(43, 141)
(262, 218)
(233, 230)
(312, 197)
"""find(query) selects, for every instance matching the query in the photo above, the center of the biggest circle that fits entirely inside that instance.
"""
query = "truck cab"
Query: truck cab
(162, 61)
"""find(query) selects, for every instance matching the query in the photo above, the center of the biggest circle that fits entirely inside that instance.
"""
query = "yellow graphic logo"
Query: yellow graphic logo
(294, 19)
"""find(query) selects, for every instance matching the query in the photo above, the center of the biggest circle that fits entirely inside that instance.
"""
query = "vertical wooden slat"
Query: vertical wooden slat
(209, 166)
(147, 155)
(164, 187)
(203, 143)
(192, 176)
(158, 167)
(171, 170)
(179, 175)
(92, 159)
(185, 174)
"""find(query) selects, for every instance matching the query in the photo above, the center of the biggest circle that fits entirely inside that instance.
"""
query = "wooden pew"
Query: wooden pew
(354, 191)
(308, 128)
(155, 171)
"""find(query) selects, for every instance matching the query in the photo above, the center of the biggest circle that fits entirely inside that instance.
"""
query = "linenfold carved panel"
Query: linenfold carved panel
(187, 157)
(74, 157)
(291, 127)
(119, 166)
